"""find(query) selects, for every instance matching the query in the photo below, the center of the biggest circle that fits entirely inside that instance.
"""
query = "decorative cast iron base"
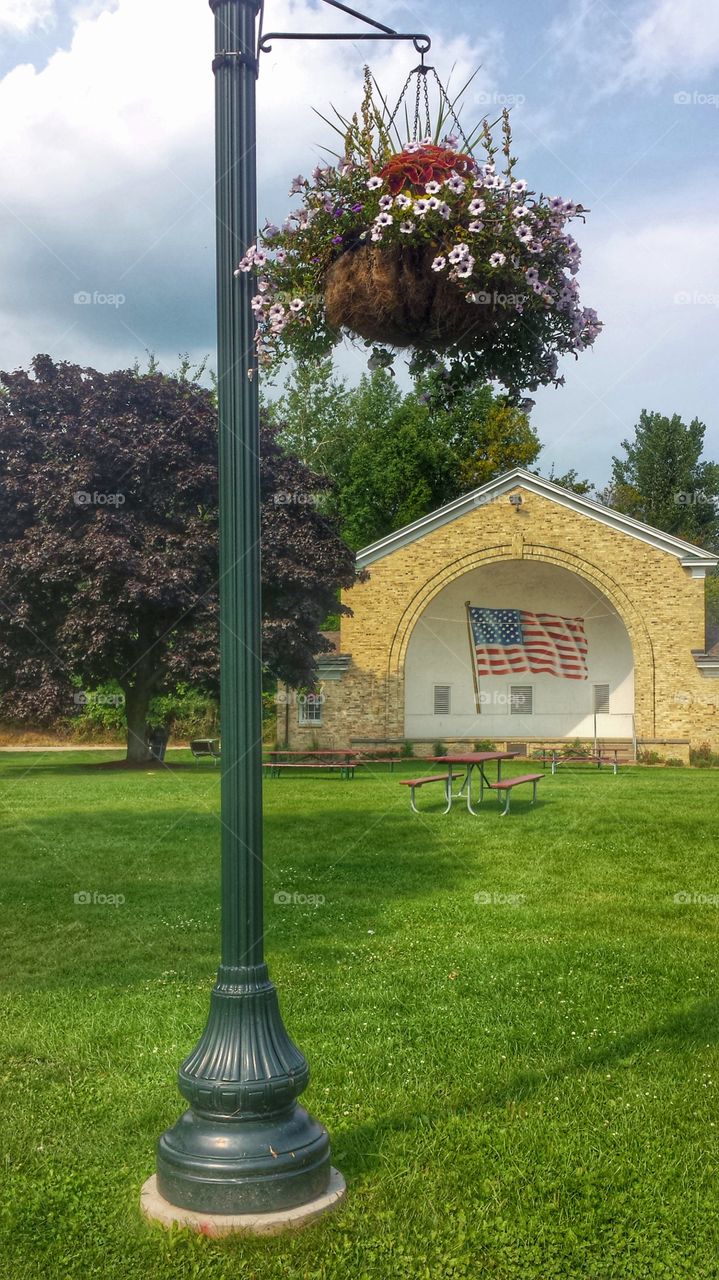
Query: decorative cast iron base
(245, 1145)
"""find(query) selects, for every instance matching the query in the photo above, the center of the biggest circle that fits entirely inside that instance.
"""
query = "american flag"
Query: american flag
(508, 641)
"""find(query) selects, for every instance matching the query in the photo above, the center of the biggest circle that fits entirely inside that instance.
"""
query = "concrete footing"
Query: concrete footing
(156, 1209)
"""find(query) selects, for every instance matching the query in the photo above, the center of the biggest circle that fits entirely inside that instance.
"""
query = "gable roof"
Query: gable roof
(691, 557)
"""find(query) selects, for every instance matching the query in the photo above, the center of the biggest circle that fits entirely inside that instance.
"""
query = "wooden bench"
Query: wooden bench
(415, 783)
(273, 767)
(507, 785)
(206, 747)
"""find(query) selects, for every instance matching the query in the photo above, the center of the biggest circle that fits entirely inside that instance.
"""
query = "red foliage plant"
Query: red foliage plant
(426, 164)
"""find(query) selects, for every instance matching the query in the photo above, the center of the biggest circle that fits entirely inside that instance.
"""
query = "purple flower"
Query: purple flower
(357, 208)
(298, 184)
(337, 239)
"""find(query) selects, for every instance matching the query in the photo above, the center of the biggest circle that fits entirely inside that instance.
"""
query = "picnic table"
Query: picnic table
(341, 759)
(611, 758)
(469, 760)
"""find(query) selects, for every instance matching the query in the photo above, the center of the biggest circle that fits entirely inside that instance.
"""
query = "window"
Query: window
(520, 699)
(601, 699)
(310, 708)
(442, 699)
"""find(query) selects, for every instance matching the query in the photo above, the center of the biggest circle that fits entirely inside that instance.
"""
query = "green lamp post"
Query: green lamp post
(244, 1146)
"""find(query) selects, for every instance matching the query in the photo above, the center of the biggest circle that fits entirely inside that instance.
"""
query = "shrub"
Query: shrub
(407, 750)
(484, 744)
(439, 749)
(650, 757)
(673, 762)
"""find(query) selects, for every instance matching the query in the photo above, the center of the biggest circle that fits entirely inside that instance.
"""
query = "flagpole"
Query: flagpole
(473, 651)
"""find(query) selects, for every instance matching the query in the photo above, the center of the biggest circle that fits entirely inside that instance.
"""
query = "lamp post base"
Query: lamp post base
(156, 1209)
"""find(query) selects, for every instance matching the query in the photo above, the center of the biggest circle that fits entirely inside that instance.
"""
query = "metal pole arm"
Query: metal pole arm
(421, 42)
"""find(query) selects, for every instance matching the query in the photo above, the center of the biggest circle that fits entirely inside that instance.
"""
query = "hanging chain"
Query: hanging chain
(422, 102)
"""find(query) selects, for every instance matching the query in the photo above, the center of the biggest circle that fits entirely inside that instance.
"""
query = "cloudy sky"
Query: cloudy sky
(106, 156)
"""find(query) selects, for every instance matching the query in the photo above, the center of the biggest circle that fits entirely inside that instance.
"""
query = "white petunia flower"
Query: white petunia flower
(497, 260)
(439, 263)
(374, 183)
(458, 253)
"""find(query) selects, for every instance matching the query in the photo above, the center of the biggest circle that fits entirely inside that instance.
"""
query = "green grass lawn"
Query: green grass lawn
(522, 1089)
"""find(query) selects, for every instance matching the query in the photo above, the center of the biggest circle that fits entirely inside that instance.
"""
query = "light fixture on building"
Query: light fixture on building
(516, 501)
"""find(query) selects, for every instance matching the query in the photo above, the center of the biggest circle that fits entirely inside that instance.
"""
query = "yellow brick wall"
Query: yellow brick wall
(661, 605)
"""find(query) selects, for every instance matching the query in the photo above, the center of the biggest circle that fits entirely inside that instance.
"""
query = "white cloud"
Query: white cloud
(18, 17)
(655, 284)
(642, 42)
(107, 162)
(676, 37)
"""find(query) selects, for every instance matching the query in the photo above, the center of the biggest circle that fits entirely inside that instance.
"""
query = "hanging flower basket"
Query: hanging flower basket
(425, 247)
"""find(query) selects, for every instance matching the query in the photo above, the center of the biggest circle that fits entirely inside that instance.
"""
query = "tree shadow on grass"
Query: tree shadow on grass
(684, 1030)
(359, 862)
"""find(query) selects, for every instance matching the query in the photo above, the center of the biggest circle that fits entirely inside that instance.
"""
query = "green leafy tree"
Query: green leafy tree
(664, 480)
(571, 480)
(397, 470)
(499, 438)
(394, 457)
(310, 413)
